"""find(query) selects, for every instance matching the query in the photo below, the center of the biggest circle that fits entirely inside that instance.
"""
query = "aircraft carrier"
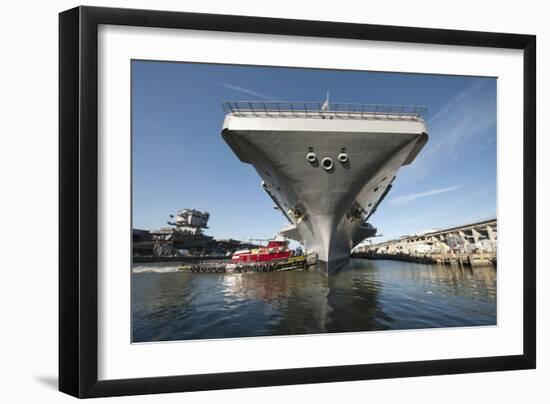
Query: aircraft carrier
(326, 166)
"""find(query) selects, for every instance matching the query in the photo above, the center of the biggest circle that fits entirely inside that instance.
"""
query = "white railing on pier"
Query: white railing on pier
(322, 110)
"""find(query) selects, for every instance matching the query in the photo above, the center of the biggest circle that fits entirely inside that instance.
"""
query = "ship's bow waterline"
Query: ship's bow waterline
(326, 167)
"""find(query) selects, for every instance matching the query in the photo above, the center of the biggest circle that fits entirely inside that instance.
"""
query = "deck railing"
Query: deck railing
(322, 110)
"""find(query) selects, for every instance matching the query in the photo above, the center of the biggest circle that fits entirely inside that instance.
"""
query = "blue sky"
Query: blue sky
(180, 159)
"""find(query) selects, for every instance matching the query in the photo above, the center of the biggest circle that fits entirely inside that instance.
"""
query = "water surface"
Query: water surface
(366, 295)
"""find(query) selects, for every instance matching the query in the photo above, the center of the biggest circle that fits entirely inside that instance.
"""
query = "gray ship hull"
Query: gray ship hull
(327, 209)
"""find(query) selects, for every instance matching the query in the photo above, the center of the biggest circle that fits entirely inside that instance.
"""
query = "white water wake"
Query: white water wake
(154, 269)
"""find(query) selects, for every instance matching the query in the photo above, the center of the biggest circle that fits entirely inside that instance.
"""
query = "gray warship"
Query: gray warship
(326, 166)
(184, 235)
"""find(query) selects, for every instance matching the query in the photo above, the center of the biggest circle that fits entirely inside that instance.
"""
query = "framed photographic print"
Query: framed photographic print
(251, 201)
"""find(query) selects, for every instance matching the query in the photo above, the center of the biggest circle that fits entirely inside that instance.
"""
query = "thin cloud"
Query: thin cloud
(464, 118)
(248, 91)
(459, 128)
(402, 200)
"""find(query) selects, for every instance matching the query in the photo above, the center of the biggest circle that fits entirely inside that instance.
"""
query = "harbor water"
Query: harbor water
(171, 305)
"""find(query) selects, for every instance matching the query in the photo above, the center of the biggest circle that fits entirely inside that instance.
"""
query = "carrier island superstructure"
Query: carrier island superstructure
(326, 167)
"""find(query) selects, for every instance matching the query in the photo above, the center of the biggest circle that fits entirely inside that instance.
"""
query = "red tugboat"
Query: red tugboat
(276, 256)
(275, 250)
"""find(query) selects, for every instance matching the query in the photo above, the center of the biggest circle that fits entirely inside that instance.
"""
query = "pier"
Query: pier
(473, 244)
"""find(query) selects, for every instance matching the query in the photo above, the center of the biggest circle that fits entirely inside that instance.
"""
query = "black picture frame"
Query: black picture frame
(78, 201)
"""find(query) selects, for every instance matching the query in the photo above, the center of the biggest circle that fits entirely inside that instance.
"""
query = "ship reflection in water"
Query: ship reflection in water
(168, 305)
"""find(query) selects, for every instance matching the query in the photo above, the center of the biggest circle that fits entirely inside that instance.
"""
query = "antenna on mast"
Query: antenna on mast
(325, 106)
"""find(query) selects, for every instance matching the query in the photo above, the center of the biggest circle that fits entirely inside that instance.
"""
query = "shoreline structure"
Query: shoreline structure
(472, 244)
